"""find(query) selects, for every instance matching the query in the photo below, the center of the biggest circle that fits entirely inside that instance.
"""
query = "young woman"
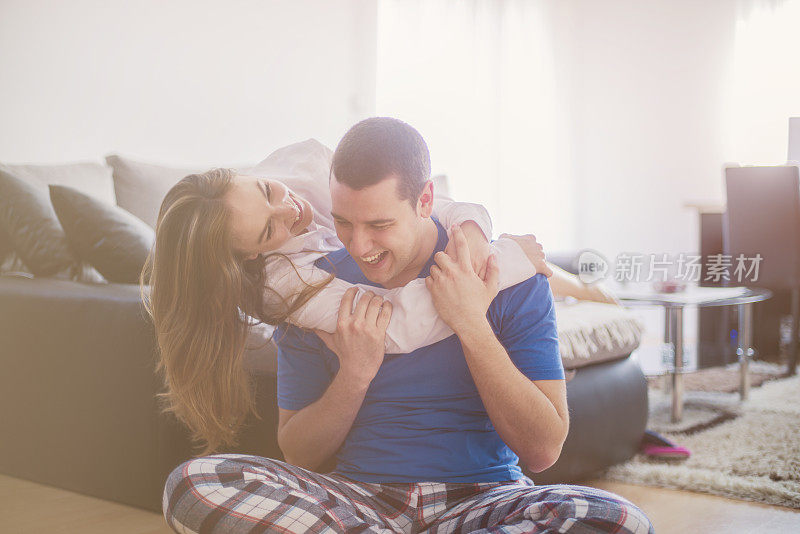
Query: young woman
(216, 269)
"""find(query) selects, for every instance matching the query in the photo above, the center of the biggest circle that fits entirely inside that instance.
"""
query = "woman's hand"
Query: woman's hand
(533, 249)
(479, 247)
(360, 335)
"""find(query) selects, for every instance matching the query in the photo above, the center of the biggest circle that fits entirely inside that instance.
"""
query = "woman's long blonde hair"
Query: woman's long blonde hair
(202, 296)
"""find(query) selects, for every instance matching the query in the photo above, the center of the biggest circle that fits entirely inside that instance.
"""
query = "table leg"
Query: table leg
(745, 351)
(677, 372)
(669, 345)
(792, 360)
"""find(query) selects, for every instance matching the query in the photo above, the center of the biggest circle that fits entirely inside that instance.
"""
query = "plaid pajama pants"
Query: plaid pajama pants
(239, 493)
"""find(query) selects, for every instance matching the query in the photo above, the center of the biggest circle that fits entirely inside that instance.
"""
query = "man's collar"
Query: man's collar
(441, 244)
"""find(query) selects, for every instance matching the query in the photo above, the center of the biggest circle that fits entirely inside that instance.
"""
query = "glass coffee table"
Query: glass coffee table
(674, 304)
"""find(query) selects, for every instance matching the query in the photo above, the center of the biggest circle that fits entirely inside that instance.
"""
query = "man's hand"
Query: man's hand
(479, 247)
(360, 335)
(533, 249)
(461, 297)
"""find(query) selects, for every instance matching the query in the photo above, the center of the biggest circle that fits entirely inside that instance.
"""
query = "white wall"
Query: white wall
(181, 82)
(645, 108)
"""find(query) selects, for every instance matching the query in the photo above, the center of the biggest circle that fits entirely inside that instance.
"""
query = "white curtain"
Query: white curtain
(765, 87)
(588, 123)
(478, 80)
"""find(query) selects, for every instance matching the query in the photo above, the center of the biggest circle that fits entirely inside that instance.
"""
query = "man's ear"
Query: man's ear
(425, 202)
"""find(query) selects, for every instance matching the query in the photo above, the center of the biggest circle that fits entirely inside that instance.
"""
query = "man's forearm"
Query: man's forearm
(521, 413)
(315, 433)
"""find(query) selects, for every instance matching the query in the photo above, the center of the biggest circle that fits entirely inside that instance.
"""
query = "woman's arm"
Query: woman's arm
(414, 322)
(450, 213)
(566, 284)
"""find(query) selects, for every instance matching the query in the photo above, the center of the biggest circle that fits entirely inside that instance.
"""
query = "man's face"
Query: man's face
(381, 231)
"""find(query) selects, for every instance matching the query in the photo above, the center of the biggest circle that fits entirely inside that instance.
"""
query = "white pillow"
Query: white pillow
(303, 166)
(141, 187)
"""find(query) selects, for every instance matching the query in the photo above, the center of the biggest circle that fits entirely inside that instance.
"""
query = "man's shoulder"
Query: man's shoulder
(288, 336)
(333, 258)
(339, 261)
(342, 264)
(531, 293)
(537, 284)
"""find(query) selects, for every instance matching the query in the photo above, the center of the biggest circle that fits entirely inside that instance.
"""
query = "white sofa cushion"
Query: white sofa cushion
(592, 332)
(141, 186)
(90, 178)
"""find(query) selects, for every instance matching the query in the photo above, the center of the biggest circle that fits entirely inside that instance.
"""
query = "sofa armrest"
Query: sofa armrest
(608, 416)
(566, 259)
(77, 391)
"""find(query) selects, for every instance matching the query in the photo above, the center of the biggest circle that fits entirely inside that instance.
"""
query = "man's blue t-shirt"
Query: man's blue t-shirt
(422, 418)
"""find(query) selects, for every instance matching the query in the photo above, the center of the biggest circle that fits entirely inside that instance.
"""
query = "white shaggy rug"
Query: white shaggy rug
(753, 454)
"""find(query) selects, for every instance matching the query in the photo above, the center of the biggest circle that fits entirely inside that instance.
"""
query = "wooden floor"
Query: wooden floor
(26, 507)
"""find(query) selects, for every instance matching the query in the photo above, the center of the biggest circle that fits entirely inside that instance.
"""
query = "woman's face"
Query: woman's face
(264, 215)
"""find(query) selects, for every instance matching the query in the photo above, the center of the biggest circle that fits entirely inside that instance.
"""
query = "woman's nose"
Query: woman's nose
(286, 209)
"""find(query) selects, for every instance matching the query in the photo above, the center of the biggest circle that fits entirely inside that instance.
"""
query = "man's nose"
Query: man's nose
(360, 242)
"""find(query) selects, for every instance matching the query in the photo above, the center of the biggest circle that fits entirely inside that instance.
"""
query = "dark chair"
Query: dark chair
(763, 217)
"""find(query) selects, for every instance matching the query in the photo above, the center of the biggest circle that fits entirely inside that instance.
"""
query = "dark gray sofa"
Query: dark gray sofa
(78, 407)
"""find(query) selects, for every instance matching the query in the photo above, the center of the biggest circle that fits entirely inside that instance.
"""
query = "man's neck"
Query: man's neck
(428, 240)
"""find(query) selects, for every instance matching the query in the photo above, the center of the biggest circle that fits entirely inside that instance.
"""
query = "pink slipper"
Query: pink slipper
(655, 445)
(658, 451)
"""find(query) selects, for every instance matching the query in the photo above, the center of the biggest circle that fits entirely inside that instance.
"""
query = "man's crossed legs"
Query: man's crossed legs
(239, 493)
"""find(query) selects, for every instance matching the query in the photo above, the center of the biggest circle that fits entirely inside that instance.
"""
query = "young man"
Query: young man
(428, 440)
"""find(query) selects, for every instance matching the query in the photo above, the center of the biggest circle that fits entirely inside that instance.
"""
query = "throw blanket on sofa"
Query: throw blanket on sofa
(591, 332)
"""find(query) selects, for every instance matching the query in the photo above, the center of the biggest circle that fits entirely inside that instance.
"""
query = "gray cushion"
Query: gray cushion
(32, 226)
(88, 177)
(112, 240)
(27, 216)
(5, 244)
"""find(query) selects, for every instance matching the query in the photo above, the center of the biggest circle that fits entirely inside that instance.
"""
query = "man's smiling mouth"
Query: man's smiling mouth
(375, 258)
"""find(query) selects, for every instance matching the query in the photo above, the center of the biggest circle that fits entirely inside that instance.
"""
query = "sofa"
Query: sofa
(78, 404)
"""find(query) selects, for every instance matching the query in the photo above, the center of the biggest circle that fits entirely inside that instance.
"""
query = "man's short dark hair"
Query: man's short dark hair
(379, 147)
